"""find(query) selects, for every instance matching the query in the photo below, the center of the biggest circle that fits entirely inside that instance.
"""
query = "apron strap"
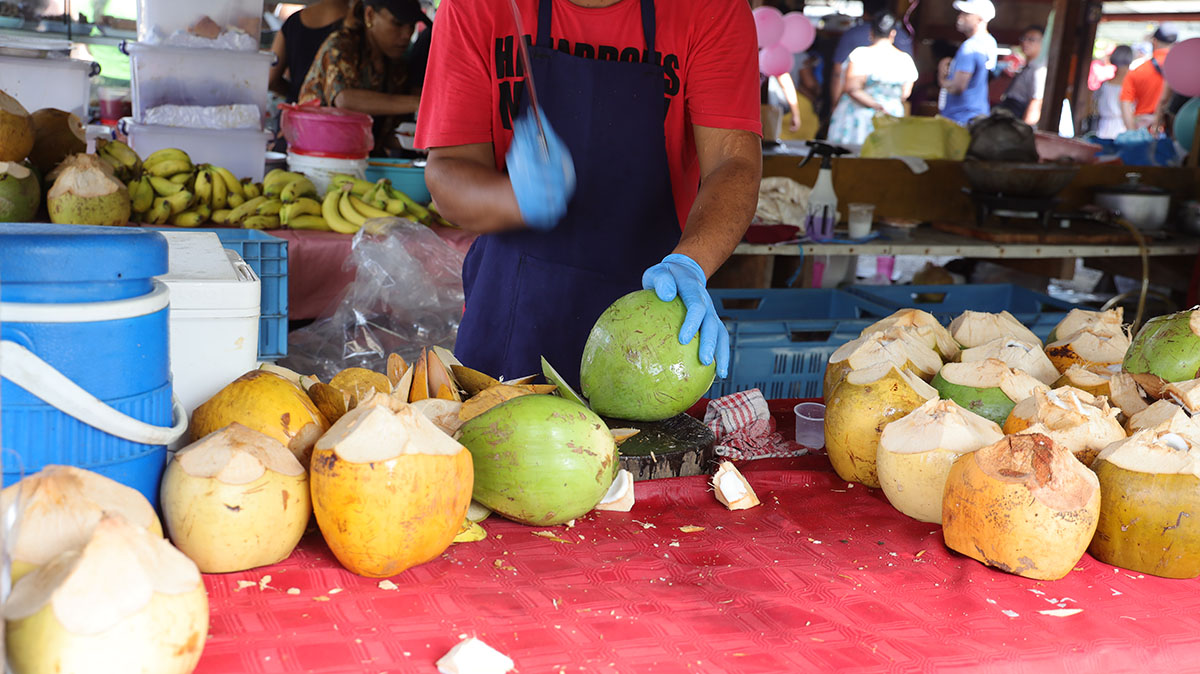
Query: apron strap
(648, 27)
(546, 10)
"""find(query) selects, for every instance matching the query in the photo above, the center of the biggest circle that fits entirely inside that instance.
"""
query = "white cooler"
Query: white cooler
(214, 315)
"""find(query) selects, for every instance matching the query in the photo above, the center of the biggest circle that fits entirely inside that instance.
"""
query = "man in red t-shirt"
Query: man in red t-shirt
(653, 149)
(1142, 89)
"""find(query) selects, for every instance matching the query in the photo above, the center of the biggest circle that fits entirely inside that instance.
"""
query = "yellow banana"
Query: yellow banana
(302, 187)
(168, 167)
(416, 210)
(269, 207)
(166, 154)
(119, 151)
(220, 191)
(348, 211)
(251, 189)
(232, 186)
(181, 178)
(220, 216)
(242, 212)
(305, 206)
(159, 212)
(367, 210)
(192, 217)
(357, 185)
(395, 207)
(180, 201)
(310, 222)
(141, 195)
(203, 186)
(333, 217)
(163, 187)
(261, 222)
(276, 180)
(233, 200)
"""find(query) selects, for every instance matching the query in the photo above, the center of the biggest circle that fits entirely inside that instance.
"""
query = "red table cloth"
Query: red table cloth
(823, 576)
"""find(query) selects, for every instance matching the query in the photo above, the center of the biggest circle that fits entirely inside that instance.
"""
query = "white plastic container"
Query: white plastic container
(320, 170)
(173, 22)
(242, 151)
(213, 313)
(49, 82)
(205, 77)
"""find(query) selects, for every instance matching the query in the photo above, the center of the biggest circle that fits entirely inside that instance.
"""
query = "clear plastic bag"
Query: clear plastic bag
(407, 293)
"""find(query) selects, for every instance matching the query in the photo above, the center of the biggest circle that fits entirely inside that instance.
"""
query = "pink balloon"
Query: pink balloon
(768, 21)
(798, 32)
(774, 60)
(1182, 67)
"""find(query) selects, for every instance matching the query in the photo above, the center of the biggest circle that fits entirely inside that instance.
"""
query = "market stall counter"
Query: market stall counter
(824, 576)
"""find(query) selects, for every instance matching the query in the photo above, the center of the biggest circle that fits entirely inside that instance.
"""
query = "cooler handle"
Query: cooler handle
(23, 368)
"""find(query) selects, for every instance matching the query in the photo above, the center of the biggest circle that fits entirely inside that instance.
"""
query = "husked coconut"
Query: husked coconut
(1149, 490)
(1165, 350)
(1046, 404)
(894, 345)
(20, 194)
(922, 325)
(61, 507)
(236, 499)
(1165, 416)
(390, 489)
(1023, 505)
(123, 601)
(732, 489)
(1094, 380)
(1185, 393)
(1080, 427)
(1016, 354)
(917, 450)
(987, 387)
(88, 196)
(859, 409)
(16, 129)
(620, 495)
(1090, 347)
(1084, 319)
(976, 328)
(1127, 394)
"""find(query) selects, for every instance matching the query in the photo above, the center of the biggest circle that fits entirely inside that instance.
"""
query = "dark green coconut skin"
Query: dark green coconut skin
(989, 403)
(1149, 522)
(1165, 347)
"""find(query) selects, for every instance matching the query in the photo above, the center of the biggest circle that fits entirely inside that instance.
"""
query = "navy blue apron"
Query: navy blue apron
(532, 294)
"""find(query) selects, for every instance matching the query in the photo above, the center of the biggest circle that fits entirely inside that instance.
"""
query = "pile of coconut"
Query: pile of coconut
(1029, 453)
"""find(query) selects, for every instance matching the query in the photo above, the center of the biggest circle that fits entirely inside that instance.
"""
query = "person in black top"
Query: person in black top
(296, 44)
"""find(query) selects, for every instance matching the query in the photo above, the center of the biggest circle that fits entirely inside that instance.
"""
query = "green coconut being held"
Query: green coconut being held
(86, 194)
(916, 452)
(976, 328)
(894, 345)
(1018, 355)
(924, 326)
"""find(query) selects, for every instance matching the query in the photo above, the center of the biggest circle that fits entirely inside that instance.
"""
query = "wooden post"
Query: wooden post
(1079, 95)
(1063, 41)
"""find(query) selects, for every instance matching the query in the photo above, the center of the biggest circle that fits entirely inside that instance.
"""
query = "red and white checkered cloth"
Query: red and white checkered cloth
(745, 429)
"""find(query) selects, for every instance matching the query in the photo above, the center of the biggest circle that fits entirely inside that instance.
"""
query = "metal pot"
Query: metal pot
(1144, 206)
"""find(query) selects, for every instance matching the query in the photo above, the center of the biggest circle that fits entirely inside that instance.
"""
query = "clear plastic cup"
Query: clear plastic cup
(860, 219)
(810, 424)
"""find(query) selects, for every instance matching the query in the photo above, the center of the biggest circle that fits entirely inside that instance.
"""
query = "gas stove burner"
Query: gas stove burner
(990, 205)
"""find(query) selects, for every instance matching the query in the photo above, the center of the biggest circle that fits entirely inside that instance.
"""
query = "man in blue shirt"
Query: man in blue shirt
(965, 79)
(860, 36)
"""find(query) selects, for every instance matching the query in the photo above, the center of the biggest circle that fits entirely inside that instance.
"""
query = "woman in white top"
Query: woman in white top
(878, 79)
(1108, 96)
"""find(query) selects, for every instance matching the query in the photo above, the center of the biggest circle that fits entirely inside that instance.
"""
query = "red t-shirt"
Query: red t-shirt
(1143, 85)
(709, 51)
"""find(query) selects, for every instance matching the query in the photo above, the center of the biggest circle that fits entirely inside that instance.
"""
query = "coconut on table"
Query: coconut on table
(1165, 350)
(1081, 423)
(988, 387)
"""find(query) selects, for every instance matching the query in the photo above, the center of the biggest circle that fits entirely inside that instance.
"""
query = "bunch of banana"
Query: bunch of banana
(157, 200)
(127, 166)
(382, 196)
(345, 211)
(284, 199)
(170, 163)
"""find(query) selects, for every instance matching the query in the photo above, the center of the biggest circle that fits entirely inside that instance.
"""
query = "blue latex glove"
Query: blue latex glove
(680, 275)
(543, 182)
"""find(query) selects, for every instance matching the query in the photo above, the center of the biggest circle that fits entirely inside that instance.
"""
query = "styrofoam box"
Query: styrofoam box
(208, 77)
(160, 21)
(242, 151)
(49, 82)
(213, 315)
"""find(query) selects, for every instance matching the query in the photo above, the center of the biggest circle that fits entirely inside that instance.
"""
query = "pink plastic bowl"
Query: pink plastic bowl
(315, 130)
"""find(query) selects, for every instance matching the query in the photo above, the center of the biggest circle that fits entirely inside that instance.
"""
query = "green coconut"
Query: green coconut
(20, 194)
(634, 366)
(987, 387)
(1149, 505)
(84, 193)
(1166, 349)
(540, 459)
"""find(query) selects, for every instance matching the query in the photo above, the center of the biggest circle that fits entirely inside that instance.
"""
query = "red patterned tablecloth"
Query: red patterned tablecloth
(824, 576)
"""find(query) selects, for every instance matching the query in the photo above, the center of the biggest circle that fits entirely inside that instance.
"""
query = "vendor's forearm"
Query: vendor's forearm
(376, 102)
(724, 206)
(471, 194)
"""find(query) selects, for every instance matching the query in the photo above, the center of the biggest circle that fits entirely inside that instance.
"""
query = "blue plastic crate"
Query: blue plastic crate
(1033, 309)
(793, 304)
(268, 256)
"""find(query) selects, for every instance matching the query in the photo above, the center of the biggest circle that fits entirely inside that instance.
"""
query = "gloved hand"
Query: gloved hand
(543, 182)
(680, 275)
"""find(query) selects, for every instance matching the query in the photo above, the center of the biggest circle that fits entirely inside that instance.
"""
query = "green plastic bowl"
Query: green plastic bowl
(405, 177)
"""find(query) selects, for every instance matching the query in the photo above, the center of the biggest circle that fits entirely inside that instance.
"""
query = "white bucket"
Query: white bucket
(320, 170)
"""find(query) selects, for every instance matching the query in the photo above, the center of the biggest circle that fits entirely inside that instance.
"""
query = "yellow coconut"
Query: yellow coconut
(1165, 416)
(1149, 490)
(234, 500)
(390, 490)
(360, 383)
(1077, 421)
(976, 328)
(1090, 347)
(1016, 354)
(1022, 505)
(858, 410)
(88, 195)
(916, 452)
(57, 134)
(1090, 379)
(16, 129)
(267, 403)
(1185, 393)
(1080, 319)
(922, 325)
(1127, 394)
(123, 602)
(894, 345)
(59, 508)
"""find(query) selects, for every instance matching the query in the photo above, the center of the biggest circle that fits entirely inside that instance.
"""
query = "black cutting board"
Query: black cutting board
(675, 447)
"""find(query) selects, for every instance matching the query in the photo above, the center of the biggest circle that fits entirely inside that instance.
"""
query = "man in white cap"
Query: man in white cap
(965, 78)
